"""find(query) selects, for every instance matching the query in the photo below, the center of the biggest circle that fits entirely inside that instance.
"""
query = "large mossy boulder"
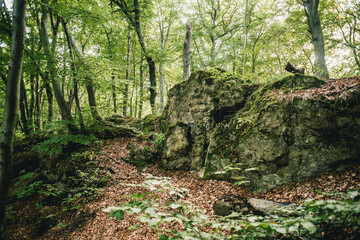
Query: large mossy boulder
(281, 138)
(194, 109)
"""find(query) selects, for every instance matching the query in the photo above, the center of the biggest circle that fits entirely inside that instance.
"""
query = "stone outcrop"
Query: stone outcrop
(215, 122)
(194, 109)
(256, 206)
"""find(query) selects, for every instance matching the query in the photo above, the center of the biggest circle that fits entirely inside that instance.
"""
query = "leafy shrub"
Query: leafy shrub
(26, 188)
(57, 144)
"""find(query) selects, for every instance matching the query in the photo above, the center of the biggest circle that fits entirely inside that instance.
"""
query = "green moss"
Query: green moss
(148, 123)
(297, 82)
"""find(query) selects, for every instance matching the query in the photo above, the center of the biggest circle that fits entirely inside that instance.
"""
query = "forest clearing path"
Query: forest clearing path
(91, 222)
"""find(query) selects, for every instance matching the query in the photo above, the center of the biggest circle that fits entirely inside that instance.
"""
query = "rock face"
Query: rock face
(280, 135)
(195, 107)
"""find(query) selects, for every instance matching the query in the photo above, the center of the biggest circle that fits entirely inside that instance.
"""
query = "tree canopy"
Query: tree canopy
(77, 52)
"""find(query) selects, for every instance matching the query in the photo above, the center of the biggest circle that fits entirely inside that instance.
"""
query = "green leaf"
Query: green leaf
(163, 237)
(175, 205)
(119, 214)
(309, 226)
(134, 227)
(354, 195)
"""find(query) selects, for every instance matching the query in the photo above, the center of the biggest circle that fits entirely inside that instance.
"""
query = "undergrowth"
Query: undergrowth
(66, 178)
(313, 220)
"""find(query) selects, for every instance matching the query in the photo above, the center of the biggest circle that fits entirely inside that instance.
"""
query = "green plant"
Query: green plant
(233, 170)
(9, 213)
(26, 188)
(57, 144)
(141, 155)
(314, 220)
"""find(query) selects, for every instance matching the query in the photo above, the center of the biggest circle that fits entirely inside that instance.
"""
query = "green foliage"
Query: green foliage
(9, 214)
(147, 152)
(310, 221)
(233, 170)
(117, 214)
(26, 188)
(57, 144)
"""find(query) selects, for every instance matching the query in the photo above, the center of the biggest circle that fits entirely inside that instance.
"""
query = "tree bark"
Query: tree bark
(11, 109)
(135, 23)
(89, 81)
(38, 91)
(75, 81)
(127, 76)
(50, 96)
(187, 51)
(317, 40)
(113, 87)
(63, 105)
(141, 87)
(245, 36)
(161, 71)
(24, 110)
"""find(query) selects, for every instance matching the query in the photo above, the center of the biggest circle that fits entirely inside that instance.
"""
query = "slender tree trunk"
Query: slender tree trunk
(245, 36)
(141, 87)
(50, 96)
(63, 105)
(114, 97)
(24, 117)
(187, 51)
(75, 81)
(127, 76)
(31, 114)
(133, 16)
(212, 51)
(11, 109)
(88, 81)
(311, 10)
(113, 87)
(38, 92)
(161, 87)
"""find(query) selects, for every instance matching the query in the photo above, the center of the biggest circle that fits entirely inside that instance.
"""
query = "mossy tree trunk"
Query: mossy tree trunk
(11, 109)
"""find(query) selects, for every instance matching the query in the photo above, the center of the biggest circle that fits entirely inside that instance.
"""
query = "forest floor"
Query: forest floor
(91, 222)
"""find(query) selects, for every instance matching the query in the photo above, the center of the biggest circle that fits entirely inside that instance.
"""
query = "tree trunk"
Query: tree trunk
(31, 113)
(50, 97)
(127, 76)
(161, 87)
(311, 10)
(75, 81)
(38, 92)
(113, 87)
(24, 117)
(187, 51)
(141, 101)
(133, 17)
(11, 109)
(245, 36)
(63, 105)
(88, 81)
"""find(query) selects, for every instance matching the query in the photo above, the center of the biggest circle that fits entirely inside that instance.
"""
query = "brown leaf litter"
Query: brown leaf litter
(90, 222)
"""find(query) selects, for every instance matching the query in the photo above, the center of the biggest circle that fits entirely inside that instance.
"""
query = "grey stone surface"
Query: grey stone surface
(210, 123)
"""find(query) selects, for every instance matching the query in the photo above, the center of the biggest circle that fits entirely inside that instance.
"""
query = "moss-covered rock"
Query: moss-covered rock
(194, 108)
(213, 121)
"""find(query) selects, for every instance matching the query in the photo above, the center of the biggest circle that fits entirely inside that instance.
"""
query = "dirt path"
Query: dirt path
(91, 222)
